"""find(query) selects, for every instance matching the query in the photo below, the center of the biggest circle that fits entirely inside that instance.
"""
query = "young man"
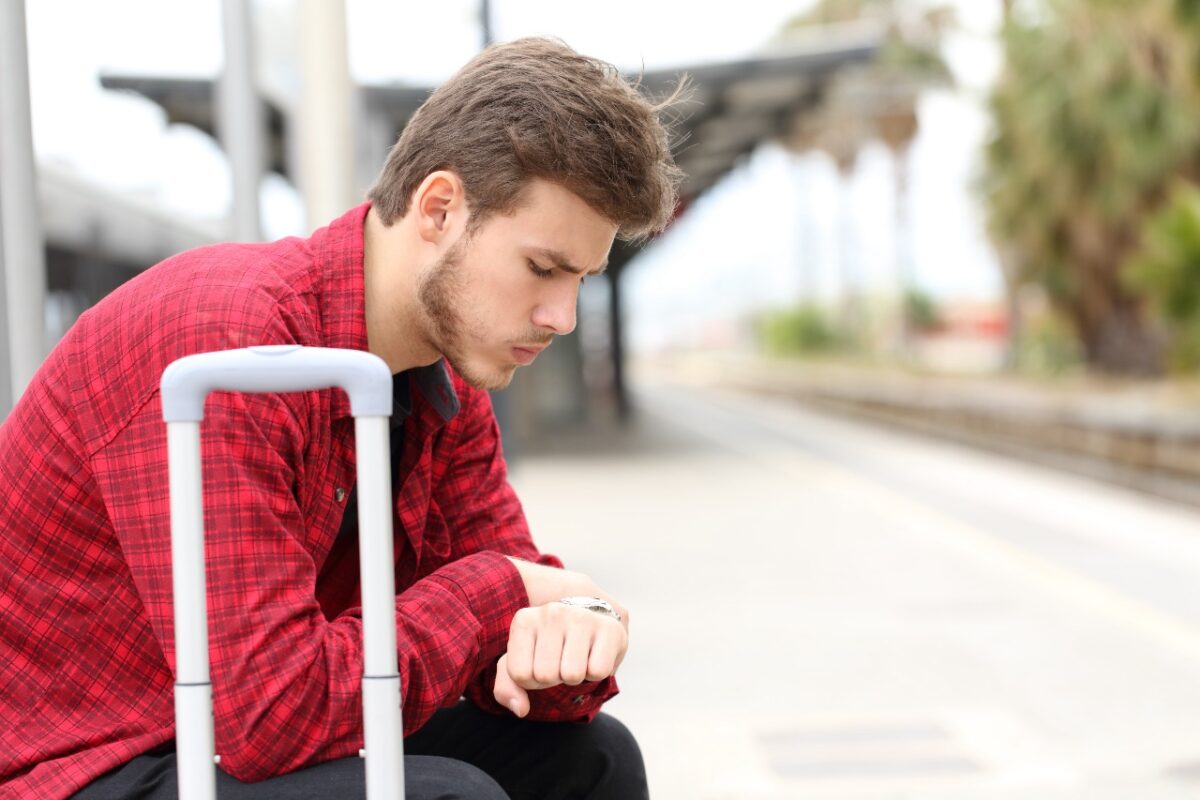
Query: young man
(504, 192)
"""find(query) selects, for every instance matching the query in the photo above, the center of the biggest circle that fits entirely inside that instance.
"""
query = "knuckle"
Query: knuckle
(523, 619)
(598, 673)
(519, 671)
(600, 665)
(545, 675)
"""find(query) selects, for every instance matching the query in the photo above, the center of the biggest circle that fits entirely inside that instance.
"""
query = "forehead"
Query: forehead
(553, 219)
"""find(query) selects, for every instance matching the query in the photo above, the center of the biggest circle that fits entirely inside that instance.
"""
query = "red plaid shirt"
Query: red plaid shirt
(86, 648)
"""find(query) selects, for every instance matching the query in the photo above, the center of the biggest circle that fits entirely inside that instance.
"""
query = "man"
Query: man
(504, 192)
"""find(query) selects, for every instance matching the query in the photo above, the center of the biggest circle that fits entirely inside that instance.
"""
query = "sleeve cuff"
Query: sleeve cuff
(492, 589)
(571, 703)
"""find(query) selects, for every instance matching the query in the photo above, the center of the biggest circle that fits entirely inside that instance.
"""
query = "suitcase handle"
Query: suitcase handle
(276, 368)
(366, 378)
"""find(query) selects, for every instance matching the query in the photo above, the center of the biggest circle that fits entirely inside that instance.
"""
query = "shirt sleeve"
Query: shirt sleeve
(286, 680)
(486, 516)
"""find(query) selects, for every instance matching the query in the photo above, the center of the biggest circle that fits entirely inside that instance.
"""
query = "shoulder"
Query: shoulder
(211, 298)
(223, 279)
(215, 297)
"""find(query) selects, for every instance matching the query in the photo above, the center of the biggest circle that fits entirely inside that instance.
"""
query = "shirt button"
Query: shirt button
(339, 494)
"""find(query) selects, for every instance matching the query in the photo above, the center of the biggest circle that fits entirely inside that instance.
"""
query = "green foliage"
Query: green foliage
(920, 310)
(1048, 346)
(803, 330)
(1094, 115)
(910, 48)
(1188, 11)
(1166, 270)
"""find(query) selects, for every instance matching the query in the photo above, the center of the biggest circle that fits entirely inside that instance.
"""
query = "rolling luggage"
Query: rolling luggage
(283, 368)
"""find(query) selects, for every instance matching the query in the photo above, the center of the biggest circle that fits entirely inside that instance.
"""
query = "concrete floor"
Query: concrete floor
(822, 609)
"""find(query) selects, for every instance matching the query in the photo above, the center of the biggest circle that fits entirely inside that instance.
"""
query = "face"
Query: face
(501, 295)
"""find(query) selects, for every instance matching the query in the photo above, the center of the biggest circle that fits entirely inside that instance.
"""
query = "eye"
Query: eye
(538, 271)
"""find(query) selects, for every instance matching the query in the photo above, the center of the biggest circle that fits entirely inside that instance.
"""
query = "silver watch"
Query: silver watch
(599, 605)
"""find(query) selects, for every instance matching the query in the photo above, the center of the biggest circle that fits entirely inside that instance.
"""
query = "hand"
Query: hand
(554, 644)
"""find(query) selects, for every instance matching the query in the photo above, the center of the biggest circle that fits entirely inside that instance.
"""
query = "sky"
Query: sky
(782, 227)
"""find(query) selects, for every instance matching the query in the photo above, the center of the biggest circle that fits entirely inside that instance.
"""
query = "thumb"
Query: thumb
(506, 691)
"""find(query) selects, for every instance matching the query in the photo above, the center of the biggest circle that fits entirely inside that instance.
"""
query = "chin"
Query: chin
(484, 377)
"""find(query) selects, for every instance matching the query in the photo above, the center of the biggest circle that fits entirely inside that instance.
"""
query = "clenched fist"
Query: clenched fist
(553, 643)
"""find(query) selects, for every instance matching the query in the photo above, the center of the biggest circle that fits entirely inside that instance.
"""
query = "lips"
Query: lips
(526, 355)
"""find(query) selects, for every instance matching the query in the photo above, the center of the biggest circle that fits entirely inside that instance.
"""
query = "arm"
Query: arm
(486, 515)
(286, 681)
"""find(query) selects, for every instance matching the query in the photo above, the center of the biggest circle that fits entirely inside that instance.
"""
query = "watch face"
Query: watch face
(592, 604)
(587, 602)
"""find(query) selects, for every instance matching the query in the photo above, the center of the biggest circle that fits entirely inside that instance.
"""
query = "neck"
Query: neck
(393, 312)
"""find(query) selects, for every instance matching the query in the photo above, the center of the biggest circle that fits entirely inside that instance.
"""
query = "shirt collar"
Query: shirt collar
(434, 386)
(340, 255)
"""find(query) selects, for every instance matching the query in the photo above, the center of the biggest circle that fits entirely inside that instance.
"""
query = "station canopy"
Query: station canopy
(736, 105)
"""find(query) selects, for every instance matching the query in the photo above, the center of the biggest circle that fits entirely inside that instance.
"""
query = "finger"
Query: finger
(522, 639)
(575, 652)
(547, 657)
(507, 692)
(607, 647)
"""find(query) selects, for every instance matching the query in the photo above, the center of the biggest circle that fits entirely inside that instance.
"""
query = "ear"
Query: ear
(440, 203)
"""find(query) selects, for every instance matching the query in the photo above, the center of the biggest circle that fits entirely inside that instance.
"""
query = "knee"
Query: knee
(609, 735)
(437, 778)
(614, 756)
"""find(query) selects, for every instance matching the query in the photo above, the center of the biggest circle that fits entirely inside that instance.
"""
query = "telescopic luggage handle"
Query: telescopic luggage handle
(282, 368)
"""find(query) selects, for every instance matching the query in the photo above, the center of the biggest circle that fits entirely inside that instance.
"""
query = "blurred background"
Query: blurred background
(891, 441)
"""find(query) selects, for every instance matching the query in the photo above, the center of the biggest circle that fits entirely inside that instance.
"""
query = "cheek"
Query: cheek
(496, 307)
(505, 299)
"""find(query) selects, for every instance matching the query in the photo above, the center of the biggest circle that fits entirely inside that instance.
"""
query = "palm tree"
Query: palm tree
(878, 101)
(1093, 116)
(1166, 269)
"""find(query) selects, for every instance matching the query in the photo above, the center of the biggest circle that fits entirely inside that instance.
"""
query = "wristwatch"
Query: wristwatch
(599, 605)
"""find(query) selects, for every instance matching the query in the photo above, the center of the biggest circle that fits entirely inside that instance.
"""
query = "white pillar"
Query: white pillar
(239, 118)
(5, 368)
(325, 130)
(24, 255)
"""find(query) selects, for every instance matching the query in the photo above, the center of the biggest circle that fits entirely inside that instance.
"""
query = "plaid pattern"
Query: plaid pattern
(86, 647)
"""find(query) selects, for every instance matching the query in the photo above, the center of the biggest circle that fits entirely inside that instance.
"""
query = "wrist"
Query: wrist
(545, 584)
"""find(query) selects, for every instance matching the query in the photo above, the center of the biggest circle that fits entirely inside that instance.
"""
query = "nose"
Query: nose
(556, 311)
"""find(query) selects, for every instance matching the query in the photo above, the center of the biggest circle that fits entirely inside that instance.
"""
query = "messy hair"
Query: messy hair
(535, 108)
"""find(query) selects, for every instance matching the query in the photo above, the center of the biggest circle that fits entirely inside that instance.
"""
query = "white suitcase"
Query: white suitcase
(283, 368)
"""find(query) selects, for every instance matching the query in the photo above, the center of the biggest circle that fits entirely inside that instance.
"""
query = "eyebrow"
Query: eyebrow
(563, 263)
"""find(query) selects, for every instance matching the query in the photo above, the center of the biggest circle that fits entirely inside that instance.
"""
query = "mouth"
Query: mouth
(526, 355)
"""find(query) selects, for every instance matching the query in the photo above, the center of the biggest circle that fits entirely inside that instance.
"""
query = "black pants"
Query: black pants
(460, 753)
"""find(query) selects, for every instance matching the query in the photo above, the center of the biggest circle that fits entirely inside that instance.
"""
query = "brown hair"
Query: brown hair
(534, 108)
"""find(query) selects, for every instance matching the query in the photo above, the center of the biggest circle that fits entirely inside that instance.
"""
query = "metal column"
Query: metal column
(326, 111)
(24, 256)
(5, 370)
(239, 118)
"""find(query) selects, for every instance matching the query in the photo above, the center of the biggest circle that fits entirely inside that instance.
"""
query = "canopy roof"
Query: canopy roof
(736, 105)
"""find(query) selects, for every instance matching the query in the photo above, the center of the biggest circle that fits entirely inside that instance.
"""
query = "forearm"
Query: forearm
(290, 695)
